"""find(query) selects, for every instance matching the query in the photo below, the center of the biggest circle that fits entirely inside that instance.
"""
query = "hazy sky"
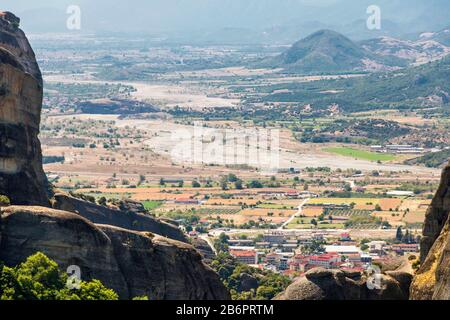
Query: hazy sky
(203, 16)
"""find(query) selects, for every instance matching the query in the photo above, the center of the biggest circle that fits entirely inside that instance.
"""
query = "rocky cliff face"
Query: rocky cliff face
(21, 176)
(129, 215)
(132, 263)
(323, 284)
(432, 281)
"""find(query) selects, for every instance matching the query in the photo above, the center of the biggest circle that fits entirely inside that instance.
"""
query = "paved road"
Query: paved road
(298, 213)
(209, 242)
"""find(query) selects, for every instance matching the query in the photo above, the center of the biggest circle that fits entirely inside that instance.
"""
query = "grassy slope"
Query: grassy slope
(432, 160)
(398, 89)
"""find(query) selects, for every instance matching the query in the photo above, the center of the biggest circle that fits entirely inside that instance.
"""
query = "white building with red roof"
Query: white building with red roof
(245, 256)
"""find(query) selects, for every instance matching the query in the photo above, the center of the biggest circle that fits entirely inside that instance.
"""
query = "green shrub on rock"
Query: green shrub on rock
(39, 278)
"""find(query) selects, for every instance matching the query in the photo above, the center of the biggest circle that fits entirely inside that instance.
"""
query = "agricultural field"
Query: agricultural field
(216, 211)
(360, 154)
(305, 223)
(365, 226)
(239, 209)
(275, 206)
(268, 212)
(347, 212)
(344, 201)
(231, 202)
(394, 218)
(312, 212)
(395, 211)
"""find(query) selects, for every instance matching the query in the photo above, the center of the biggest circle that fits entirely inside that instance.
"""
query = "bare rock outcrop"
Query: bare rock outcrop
(203, 248)
(132, 263)
(437, 215)
(323, 284)
(21, 176)
(432, 280)
(129, 215)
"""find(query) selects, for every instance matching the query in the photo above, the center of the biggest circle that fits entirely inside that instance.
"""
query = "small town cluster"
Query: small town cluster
(292, 254)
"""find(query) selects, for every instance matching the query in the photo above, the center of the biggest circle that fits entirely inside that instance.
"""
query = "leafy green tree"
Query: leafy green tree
(265, 293)
(224, 183)
(39, 278)
(141, 179)
(221, 243)
(316, 246)
(230, 271)
(95, 290)
(259, 238)
(255, 184)
(232, 177)
(4, 201)
(399, 235)
(102, 201)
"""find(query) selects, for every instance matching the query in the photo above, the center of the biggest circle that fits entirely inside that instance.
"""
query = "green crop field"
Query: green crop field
(347, 212)
(305, 223)
(218, 211)
(331, 226)
(360, 154)
(275, 206)
(342, 201)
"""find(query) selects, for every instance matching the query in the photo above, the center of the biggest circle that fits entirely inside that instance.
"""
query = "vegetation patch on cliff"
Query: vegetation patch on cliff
(39, 278)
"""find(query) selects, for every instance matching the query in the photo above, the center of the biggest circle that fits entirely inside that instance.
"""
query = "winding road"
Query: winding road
(299, 212)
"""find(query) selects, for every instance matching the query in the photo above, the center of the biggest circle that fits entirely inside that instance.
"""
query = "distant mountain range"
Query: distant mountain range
(262, 21)
(330, 51)
(442, 36)
(427, 48)
(414, 87)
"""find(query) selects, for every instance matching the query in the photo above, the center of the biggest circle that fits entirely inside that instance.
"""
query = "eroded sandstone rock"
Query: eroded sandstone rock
(129, 215)
(132, 263)
(323, 284)
(432, 280)
(437, 215)
(21, 176)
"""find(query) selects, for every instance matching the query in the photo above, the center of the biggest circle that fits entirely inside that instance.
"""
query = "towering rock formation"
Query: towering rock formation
(432, 281)
(21, 176)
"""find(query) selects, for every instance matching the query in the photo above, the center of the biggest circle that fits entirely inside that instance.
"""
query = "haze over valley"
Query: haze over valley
(252, 143)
